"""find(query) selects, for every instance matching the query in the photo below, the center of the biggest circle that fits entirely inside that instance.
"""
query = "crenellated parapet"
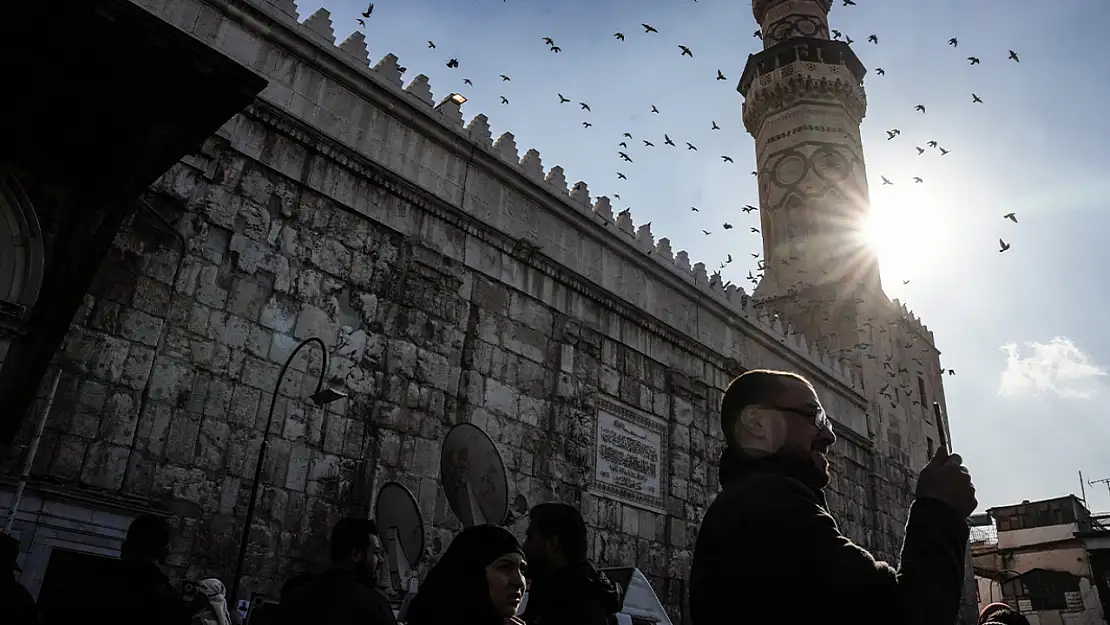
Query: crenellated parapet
(912, 322)
(388, 74)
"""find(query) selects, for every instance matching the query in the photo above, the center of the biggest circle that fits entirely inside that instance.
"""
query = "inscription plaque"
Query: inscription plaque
(631, 461)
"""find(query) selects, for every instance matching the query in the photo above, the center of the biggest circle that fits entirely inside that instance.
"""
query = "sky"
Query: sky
(1024, 330)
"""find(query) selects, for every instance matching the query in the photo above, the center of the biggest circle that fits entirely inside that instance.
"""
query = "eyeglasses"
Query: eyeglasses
(816, 416)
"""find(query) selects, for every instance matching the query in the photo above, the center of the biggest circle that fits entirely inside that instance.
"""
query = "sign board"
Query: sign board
(631, 463)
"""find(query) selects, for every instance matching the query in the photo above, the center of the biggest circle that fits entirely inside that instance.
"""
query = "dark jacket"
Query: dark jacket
(130, 591)
(337, 597)
(16, 604)
(768, 550)
(576, 595)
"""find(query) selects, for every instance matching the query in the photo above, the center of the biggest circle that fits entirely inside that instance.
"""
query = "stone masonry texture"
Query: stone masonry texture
(446, 291)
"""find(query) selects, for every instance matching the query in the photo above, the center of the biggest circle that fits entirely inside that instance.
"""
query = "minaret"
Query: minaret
(803, 103)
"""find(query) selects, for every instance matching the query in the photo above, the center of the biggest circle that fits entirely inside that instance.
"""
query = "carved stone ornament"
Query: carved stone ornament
(760, 7)
(786, 92)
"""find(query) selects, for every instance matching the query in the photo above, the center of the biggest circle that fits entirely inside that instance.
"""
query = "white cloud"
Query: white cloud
(1055, 368)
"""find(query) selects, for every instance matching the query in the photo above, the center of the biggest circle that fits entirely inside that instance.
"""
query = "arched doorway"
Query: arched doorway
(21, 259)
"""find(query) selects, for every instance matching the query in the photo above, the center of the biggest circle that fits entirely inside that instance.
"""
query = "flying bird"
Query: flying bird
(694, 209)
(648, 144)
(917, 180)
(920, 151)
(369, 10)
(504, 100)
(837, 34)
(1011, 216)
(623, 144)
(1014, 57)
(873, 38)
(1003, 246)
(919, 107)
(627, 135)
(549, 41)
(654, 110)
(932, 144)
(690, 146)
(621, 176)
(616, 196)
(361, 22)
(749, 208)
(585, 107)
(849, 3)
(727, 226)
(720, 76)
(431, 44)
(686, 51)
(466, 81)
(453, 63)
(505, 78)
(755, 230)
(667, 140)
(707, 233)
(727, 159)
(880, 71)
(556, 49)
(974, 60)
(976, 99)
(586, 124)
(944, 152)
(848, 40)
(886, 181)
(758, 34)
(619, 36)
(715, 126)
(562, 100)
(648, 28)
(624, 156)
(954, 42)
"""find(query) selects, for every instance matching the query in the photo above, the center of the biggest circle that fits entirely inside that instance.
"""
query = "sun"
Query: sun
(906, 230)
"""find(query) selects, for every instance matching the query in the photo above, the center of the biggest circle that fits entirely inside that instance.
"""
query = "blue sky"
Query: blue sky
(1024, 330)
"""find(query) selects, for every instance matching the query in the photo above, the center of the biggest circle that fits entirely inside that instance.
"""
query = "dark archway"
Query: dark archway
(22, 254)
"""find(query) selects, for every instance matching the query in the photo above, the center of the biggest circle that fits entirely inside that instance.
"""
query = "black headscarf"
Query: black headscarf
(455, 590)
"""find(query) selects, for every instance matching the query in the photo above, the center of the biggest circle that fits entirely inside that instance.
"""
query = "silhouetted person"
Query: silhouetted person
(1001, 614)
(768, 537)
(478, 581)
(270, 613)
(565, 589)
(346, 594)
(17, 606)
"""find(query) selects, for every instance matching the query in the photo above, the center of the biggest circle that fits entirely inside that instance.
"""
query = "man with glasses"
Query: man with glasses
(347, 594)
(768, 550)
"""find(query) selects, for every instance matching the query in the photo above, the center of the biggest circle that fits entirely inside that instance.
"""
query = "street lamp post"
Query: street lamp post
(322, 396)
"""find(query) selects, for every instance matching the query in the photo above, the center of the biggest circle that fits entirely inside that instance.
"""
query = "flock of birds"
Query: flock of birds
(628, 146)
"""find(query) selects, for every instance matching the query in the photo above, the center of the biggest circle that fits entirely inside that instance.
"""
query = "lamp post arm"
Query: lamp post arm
(244, 538)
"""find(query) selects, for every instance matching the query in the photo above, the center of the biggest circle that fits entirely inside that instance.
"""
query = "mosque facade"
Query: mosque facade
(452, 277)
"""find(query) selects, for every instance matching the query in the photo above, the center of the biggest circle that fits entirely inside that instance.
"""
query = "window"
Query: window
(1044, 590)
(929, 444)
(921, 389)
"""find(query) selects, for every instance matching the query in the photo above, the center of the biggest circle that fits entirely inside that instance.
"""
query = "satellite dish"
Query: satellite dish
(473, 476)
(402, 530)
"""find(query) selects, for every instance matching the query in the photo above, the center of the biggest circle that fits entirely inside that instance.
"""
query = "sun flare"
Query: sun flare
(905, 230)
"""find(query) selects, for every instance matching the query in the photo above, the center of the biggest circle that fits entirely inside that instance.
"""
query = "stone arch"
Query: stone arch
(22, 250)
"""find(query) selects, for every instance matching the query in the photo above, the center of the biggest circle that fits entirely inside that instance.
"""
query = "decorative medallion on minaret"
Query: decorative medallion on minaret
(803, 103)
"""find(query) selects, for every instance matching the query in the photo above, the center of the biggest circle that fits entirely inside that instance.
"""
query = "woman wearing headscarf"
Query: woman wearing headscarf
(478, 581)
(210, 604)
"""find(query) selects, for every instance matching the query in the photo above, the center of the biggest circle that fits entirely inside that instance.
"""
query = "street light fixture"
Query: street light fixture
(321, 396)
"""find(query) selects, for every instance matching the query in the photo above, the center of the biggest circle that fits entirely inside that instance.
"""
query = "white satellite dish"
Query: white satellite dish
(473, 476)
(402, 530)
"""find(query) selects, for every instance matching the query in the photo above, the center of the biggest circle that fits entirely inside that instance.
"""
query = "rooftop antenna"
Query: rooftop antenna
(401, 524)
(1105, 480)
(473, 477)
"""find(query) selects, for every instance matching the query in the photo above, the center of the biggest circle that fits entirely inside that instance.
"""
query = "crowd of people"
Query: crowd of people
(768, 550)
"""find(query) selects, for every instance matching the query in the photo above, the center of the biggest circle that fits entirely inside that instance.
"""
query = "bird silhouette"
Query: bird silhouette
(758, 34)
(1011, 216)
(974, 60)
(727, 226)
(585, 107)
(556, 49)
(586, 124)
(919, 107)
(549, 41)
(453, 63)
(727, 159)
(848, 40)
(918, 180)
(755, 230)
(431, 45)
(627, 135)
(920, 151)
(648, 144)
(369, 10)
(694, 209)
(466, 81)
(880, 71)
(504, 100)
(654, 109)
(667, 140)
(976, 99)
(720, 76)
(621, 176)
(505, 78)
(649, 28)
(715, 126)
(849, 3)
(624, 156)
(1014, 57)
(562, 99)
(619, 36)
(932, 144)
(954, 42)
(749, 208)
(1003, 246)
(837, 34)
(904, 282)
(623, 144)
(686, 51)
(707, 233)
(886, 181)
(691, 146)
(361, 22)
(944, 152)
(873, 38)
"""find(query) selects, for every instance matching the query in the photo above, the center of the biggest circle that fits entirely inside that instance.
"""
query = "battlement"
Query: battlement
(912, 321)
(387, 74)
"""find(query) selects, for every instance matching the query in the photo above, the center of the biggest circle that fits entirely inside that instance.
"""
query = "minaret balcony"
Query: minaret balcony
(810, 51)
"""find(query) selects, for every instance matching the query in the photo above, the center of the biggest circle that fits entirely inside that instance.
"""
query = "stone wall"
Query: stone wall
(451, 283)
